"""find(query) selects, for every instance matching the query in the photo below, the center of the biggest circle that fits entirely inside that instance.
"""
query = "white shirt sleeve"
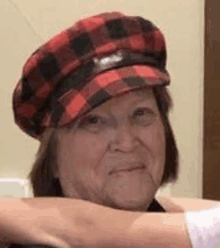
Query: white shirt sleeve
(204, 227)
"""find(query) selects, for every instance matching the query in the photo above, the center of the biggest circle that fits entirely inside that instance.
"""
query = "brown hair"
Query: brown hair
(42, 177)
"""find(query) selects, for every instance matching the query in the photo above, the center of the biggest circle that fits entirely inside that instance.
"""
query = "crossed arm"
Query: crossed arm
(62, 222)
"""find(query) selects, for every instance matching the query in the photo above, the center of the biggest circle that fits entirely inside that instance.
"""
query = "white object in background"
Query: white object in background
(14, 187)
(164, 192)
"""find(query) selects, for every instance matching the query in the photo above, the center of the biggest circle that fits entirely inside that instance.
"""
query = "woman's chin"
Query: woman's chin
(136, 203)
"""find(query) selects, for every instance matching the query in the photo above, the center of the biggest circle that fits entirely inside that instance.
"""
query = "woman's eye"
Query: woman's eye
(142, 114)
(91, 121)
(147, 114)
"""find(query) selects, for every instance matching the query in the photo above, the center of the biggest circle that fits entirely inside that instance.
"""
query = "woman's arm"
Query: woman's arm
(155, 230)
(164, 230)
(22, 221)
(65, 222)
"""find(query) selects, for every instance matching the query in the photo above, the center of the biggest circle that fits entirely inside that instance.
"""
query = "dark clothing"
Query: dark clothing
(155, 207)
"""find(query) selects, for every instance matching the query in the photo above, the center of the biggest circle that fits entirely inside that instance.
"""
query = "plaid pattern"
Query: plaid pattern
(48, 94)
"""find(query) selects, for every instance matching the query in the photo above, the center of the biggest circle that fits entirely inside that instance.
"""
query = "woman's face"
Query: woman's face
(124, 132)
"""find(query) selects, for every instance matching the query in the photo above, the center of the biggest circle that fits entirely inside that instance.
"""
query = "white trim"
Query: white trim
(24, 184)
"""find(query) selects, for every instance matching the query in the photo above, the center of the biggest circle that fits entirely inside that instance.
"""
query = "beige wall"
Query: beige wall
(25, 24)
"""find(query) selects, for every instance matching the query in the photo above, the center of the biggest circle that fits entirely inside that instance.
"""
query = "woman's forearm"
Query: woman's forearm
(73, 221)
(20, 223)
(149, 230)
(153, 230)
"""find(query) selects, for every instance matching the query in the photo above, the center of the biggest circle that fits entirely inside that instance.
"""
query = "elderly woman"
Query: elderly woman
(95, 97)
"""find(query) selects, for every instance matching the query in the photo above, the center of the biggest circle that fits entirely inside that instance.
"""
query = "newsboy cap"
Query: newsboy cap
(83, 66)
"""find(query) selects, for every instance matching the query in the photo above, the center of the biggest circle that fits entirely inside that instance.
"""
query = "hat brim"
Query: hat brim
(103, 87)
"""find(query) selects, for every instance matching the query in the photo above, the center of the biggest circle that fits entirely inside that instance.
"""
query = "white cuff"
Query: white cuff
(204, 227)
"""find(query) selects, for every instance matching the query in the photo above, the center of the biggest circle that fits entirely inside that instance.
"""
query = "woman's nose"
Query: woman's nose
(125, 138)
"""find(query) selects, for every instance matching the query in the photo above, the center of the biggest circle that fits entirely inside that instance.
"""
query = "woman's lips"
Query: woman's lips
(139, 168)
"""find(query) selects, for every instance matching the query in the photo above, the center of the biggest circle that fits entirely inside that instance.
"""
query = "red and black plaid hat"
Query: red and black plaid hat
(85, 65)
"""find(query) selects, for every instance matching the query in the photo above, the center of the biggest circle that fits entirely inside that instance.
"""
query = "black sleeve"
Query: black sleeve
(155, 207)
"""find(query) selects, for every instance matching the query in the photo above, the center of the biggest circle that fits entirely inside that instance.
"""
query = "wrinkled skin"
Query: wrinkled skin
(123, 129)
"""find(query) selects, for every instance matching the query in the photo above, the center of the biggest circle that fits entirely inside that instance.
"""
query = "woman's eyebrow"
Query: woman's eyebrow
(141, 101)
(137, 102)
(132, 108)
